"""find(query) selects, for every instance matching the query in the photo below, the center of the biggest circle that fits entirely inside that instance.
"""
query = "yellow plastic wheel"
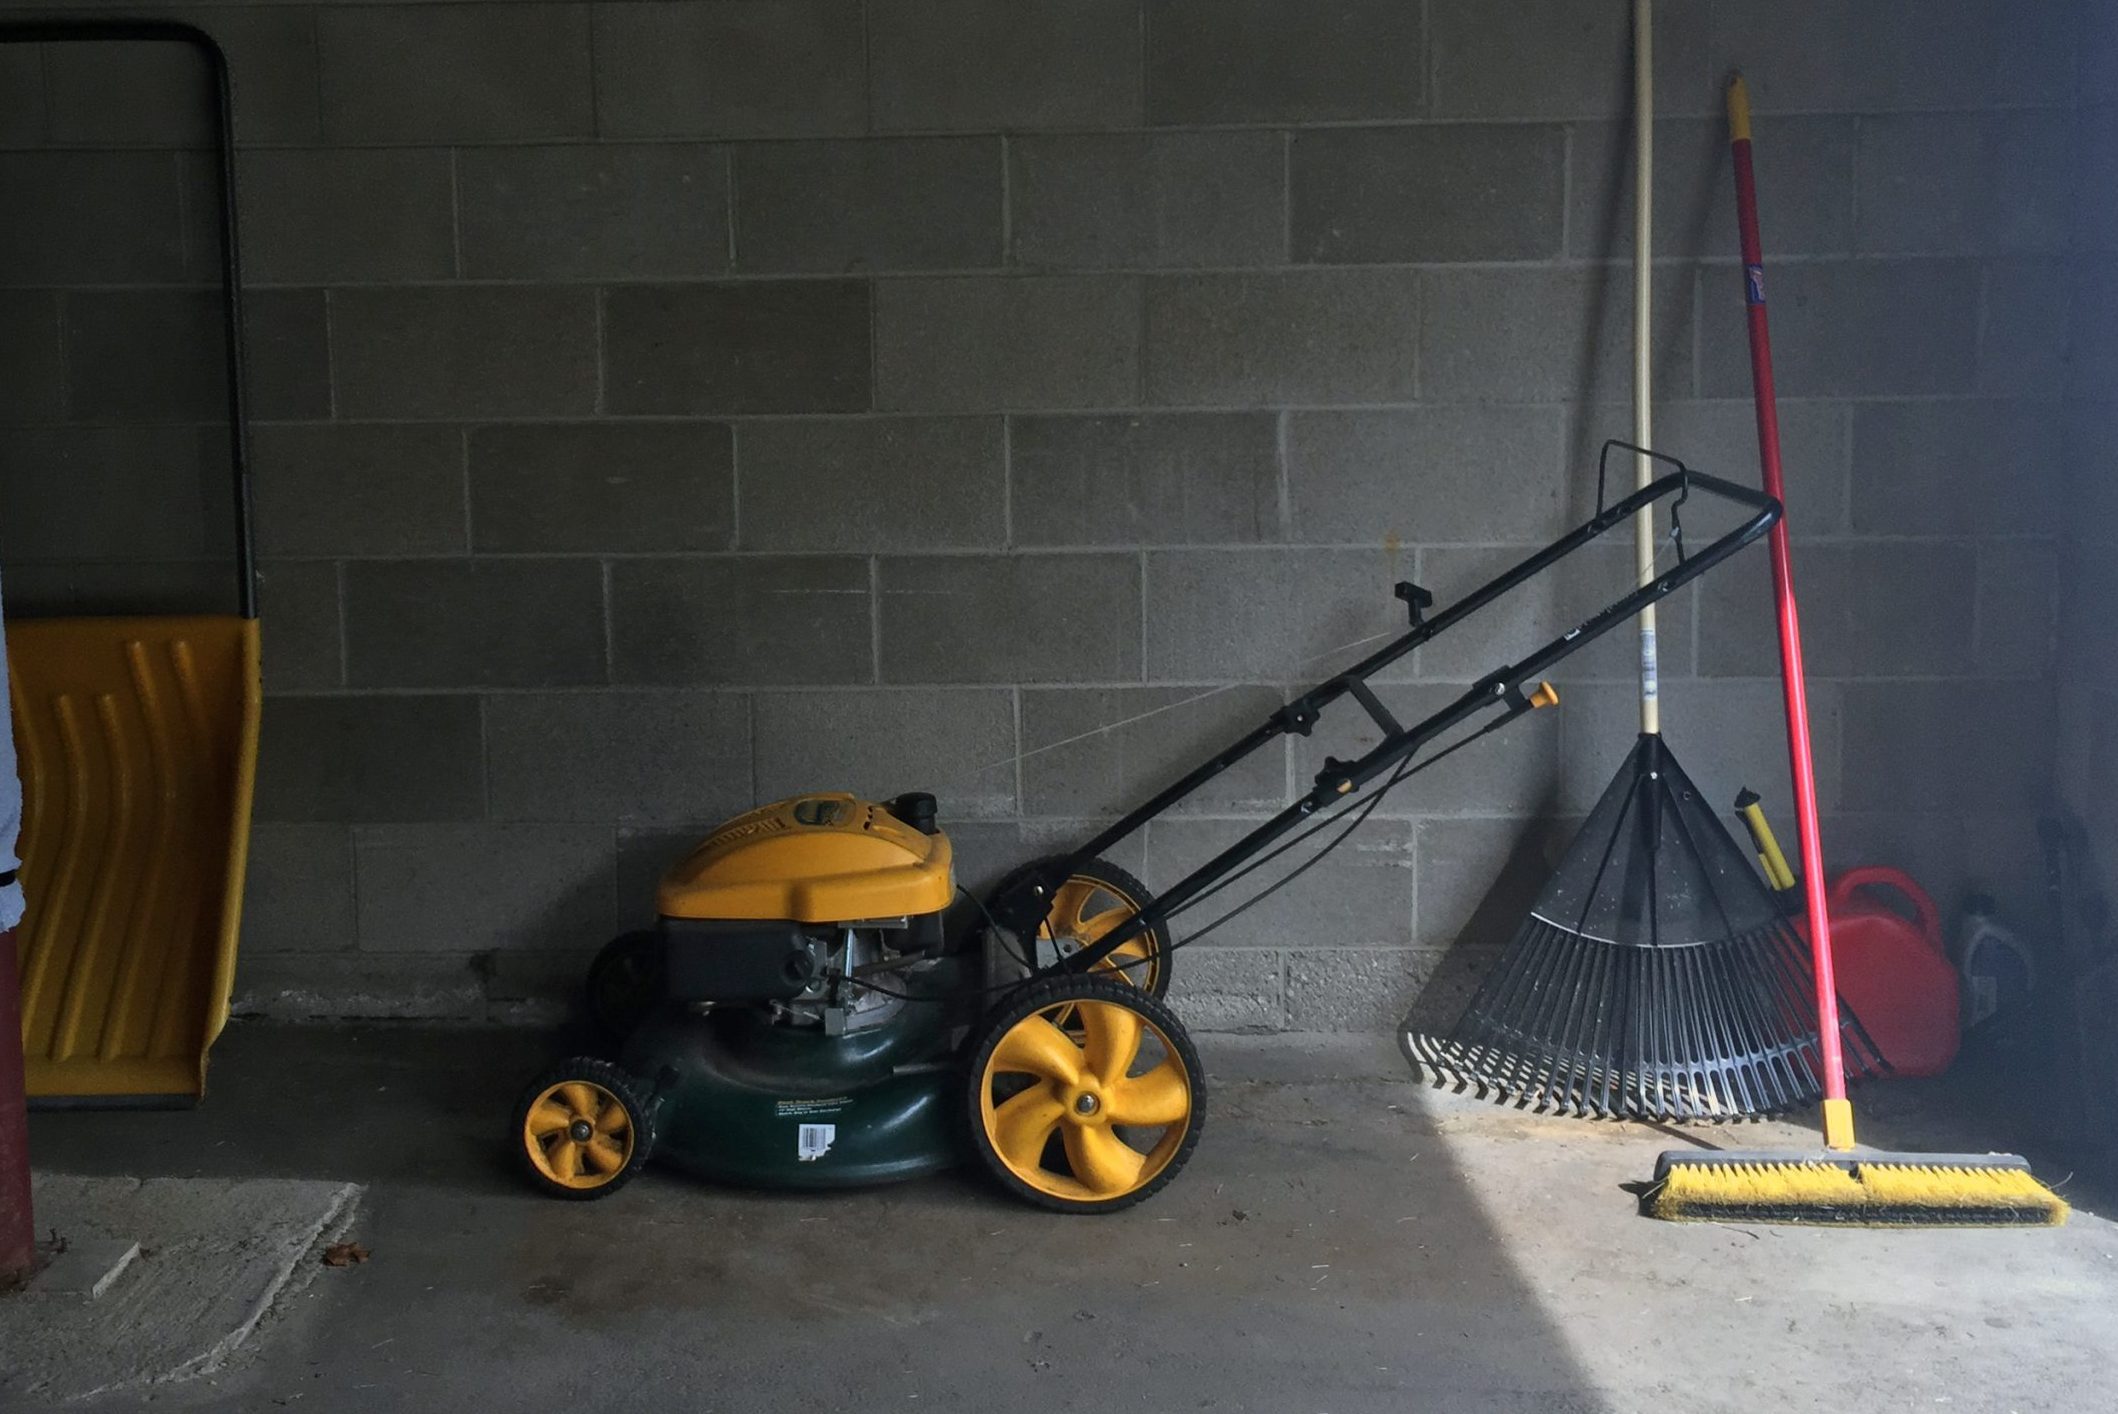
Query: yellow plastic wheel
(1086, 1095)
(582, 1129)
(1096, 898)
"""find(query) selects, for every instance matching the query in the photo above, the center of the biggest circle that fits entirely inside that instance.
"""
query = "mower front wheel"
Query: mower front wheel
(1086, 1095)
(583, 1129)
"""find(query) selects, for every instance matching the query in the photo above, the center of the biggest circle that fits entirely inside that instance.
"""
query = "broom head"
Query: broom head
(1831, 1188)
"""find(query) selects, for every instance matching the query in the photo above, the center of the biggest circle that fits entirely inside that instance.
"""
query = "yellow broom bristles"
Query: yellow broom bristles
(1856, 1193)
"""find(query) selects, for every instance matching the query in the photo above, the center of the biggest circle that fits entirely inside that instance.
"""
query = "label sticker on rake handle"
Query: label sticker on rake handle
(813, 1141)
(1754, 284)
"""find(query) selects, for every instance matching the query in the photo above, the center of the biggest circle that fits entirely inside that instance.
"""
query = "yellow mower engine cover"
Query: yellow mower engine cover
(830, 858)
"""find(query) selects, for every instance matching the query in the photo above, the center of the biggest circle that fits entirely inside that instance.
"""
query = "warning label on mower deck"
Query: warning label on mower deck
(813, 1141)
(823, 1105)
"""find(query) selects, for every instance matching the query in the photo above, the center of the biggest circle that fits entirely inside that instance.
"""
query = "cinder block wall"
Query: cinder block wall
(663, 407)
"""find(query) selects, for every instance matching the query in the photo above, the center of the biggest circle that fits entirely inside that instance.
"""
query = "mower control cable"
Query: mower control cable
(1359, 809)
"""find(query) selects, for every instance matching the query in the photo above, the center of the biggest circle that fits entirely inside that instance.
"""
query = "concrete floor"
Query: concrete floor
(1343, 1241)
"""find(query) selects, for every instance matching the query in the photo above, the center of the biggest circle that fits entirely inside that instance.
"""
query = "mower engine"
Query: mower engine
(783, 908)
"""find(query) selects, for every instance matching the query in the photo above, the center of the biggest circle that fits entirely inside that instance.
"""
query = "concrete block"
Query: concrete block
(1010, 618)
(538, 986)
(874, 483)
(1957, 468)
(879, 742)
(1129, 200)
(2018, 608)
(1427, 475)
(1727, 734)
(357, 489)
(78, 218)
(1155, 479)
(149, 587)
(1360, 895)
(1267, 615)
(1971, 183)
(22, 101)
(287, 344)
(1523, 334)
(1937, 745)
(1250, 61)
(979, 343)
(1563, 598)
(1856, 328)
(455, 73)
(602, 211)
(609, 487)
(1869, 609)
(347, 214)
(963, 65)
(397, 758)
(1099, 752)
(791, 346)
(1479, 878)
(397, 986)
(837, 207)
(305, 648)
(474, 623)
(1457, 191)
(111, 493)
(1806, 167)
(1365, 989)
(1309, 336)
(652, 758)
(1515, 772)
(1563, 59)
(1720, 437)
(738, 68)
(1229, 989)
(468, 888)
(298, 892)
(742, 619)
(1820, 56)
(153, 94)
(2026, 300)
(144, 356)
(32, 364)
(464, 351)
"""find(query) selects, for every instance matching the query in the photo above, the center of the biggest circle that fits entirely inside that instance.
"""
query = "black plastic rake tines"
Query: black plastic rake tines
(1654, 979)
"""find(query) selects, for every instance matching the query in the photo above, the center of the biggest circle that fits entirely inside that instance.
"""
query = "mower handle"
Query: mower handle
(1501, 689)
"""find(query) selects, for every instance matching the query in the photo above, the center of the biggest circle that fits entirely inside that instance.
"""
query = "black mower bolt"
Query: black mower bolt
(580, 1131)
(1086, 1105)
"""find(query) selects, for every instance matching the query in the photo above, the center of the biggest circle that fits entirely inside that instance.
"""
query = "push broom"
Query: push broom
(1839, 1185)
(1655, 977)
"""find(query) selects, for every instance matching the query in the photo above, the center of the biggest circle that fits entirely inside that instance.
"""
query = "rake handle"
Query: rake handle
(1838, 1121)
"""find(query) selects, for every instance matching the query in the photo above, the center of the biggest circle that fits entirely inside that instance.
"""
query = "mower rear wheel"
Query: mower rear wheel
(583, 1129)
(625, 983)
(1086, 1095)
(1096, 898)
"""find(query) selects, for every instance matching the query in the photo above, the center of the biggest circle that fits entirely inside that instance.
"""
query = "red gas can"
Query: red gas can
(1894, 971)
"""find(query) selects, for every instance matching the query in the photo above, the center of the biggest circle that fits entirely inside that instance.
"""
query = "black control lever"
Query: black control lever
(1417, 600)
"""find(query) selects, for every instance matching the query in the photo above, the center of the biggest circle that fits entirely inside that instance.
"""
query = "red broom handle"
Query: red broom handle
(1808, 832)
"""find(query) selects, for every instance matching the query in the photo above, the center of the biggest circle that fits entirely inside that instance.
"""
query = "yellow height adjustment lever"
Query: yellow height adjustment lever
(1545, 696)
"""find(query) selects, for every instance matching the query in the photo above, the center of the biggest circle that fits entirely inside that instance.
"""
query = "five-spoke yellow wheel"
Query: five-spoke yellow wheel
(1096, 897)
(582, 1129)
(1086, 1095)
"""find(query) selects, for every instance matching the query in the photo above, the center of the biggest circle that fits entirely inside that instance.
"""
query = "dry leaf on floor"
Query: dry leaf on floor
(344, 1254)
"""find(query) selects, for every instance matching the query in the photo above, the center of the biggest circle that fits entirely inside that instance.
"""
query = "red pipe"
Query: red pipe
(1808, 831)
(18, 1233)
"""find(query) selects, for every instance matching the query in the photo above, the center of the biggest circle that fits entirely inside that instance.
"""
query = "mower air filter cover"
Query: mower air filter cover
(813, 859)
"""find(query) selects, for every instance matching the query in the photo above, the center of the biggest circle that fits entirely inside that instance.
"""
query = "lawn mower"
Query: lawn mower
(810, 1012)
